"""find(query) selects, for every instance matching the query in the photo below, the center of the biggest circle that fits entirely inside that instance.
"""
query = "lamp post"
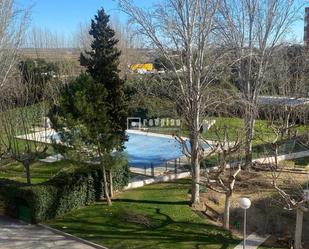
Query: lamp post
(245, 203)
(306, 191)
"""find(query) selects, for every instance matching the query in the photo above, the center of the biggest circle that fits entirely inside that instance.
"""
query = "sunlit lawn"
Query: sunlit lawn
(40, 171)
(156, 216)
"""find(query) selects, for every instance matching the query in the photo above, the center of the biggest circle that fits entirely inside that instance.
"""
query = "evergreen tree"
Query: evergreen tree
(93, 107)
(36, 74)
(102, 63)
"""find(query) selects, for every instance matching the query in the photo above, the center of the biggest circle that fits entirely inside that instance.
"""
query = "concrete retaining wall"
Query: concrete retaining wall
(166, 178)
(282, 157)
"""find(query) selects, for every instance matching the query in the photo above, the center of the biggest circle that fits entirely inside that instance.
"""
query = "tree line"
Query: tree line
(228, 52)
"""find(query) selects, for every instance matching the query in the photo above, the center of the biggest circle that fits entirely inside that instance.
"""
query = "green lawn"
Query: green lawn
(235, 126)
(262, 134)
(155, 216)
(40, 172)
(262, 131)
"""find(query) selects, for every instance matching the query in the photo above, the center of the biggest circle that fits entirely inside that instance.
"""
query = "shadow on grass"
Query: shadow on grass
(152, 201)
(153, 222)
(171, 235)
(166, 233)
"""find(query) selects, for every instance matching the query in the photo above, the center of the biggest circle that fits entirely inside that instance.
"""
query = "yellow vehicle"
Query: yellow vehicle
(147, 67)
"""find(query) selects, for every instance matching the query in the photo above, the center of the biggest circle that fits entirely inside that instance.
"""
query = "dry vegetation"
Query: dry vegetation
(266, 215)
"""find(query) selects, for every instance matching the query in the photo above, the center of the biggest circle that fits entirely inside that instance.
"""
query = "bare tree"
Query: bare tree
(289, 72)
(283, 126)
(183, 29)
(222, 179)
(253, 30)
(82, 37)
(293, 198)
(56, 48)
(20, 122)
(13, 25)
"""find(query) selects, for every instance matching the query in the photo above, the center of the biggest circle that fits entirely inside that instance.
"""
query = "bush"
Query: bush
(120, 170)
(66, 191)
(214, 198)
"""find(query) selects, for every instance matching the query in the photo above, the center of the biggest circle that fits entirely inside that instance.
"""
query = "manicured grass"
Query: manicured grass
(40, 171)
(155, 216)
(235, 127)
(24, 119)
(263, 135)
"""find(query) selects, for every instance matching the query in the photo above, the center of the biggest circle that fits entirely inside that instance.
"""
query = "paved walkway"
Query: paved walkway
(18, 235)
(52, 159)
(253, 241)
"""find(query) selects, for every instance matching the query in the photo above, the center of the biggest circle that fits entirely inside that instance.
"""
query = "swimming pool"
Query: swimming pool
(145, 150)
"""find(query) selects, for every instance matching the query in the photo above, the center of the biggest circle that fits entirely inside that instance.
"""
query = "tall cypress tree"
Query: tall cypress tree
(91, 115)
(92, 109)
(101, 62)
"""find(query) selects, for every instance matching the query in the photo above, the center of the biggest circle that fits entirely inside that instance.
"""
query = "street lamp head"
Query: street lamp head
(244, 202)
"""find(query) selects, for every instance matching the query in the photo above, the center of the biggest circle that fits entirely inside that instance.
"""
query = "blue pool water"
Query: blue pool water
(144, 150)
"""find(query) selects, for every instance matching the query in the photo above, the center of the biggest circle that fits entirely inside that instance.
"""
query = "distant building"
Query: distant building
(306, 27)
(283, 101)
(142, 68)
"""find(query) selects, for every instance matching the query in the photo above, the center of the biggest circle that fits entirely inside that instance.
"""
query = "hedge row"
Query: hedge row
(61, 194)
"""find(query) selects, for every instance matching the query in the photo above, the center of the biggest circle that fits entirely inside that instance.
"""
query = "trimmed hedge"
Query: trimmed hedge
(66, 191)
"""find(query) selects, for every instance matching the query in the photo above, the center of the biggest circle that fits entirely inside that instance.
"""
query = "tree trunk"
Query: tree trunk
(27, 169)
(111, 188)
(228, 199)
(287, 119)
(249, 127)
(298, 228)
(276, 156)
(105, 185)
(195, 165)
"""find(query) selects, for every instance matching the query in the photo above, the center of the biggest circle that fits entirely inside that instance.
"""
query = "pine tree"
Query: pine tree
(102, 64)
(93, 107)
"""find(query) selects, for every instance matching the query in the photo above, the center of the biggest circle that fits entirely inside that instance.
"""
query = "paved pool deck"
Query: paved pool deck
(253, 241)
(15, 234)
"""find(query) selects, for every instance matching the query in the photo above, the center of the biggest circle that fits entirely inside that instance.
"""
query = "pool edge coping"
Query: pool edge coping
(146, 133)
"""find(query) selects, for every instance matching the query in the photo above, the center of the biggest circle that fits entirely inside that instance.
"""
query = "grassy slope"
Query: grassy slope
(155, 216)
(262, 134)
(234, 126)
(40, 171)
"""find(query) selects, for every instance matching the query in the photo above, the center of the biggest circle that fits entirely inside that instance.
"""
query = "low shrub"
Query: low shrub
(120, 170)
(68, 190)
(214, 198)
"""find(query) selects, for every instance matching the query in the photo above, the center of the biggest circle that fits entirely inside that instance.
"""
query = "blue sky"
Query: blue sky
(64, 16)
